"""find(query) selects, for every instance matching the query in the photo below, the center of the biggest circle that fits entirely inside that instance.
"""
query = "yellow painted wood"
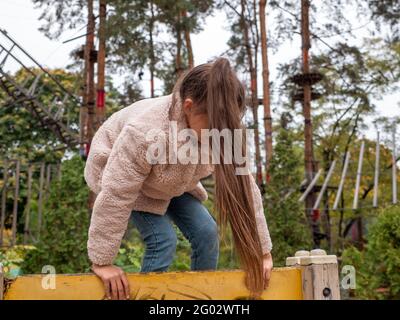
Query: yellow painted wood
(285, 284)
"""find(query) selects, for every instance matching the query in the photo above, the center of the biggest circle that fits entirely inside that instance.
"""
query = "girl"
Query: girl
(130, 184)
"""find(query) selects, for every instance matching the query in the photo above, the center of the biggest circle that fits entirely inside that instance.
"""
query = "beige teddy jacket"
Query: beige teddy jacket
(118, 172)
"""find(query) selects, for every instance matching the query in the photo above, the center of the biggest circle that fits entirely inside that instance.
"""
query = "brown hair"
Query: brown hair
(216, 90)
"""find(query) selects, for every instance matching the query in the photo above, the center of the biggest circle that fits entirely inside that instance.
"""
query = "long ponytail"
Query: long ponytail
(216, 88)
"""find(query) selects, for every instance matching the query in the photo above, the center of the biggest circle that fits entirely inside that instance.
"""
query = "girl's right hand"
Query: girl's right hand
(116, 284)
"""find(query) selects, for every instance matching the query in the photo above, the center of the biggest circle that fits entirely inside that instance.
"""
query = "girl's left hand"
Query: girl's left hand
(267, 267)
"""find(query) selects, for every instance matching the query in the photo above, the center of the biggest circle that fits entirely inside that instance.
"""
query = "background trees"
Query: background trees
(354, 46)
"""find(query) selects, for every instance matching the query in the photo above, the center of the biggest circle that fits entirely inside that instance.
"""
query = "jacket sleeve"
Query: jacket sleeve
(199, 192)
(262, 226)
(123, 176)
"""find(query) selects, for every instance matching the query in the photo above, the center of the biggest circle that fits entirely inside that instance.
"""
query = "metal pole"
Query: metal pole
(342, 179)
(394, 168)
(325, 185)
(359, 172)
(376, 177)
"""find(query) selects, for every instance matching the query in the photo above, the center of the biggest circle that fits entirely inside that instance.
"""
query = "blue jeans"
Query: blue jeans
(158, 234)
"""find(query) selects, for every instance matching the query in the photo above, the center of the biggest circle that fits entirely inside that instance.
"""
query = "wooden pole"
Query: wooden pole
(342, 179)
(15, 206)
(89, 55)
(40, 202)
(3, 200)
(90, 87)
(376, 176)
(101, 64)
(1, 282)
(325, 185)
(48, 179)
(394, 167)
(308, 134)
(59, 171)
(188, 41)
(253, 86)
(266, 88)
(359, 172)
(152, 54)
(28, 205)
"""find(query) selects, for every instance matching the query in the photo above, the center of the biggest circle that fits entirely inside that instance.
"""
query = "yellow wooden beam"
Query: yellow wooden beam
(285, 284)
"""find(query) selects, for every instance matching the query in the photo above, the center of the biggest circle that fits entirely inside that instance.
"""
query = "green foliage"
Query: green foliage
(378, 266)
(11, 258)
(284, 214)
(66, 222)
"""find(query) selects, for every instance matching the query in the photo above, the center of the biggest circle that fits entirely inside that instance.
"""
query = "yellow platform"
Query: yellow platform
(285, 284)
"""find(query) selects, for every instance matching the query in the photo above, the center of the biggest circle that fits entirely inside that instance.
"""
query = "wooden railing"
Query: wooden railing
(308, 277)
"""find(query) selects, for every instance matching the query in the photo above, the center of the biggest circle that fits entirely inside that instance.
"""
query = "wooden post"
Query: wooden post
(101, 62)
(320, 275)
(28, 205)
(15, 205)
(40, 203)
(309, 163)
(266, 88)
(3, 200)
(90, 87)
(59, 171)
(48, 179)
(376, 177)
(1, 282)
(342, 179)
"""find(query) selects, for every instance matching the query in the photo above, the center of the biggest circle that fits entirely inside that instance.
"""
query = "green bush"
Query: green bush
(378, 265)
(65, 225)
(285, 215)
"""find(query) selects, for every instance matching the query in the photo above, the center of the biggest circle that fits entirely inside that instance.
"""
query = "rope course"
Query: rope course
(55, 115)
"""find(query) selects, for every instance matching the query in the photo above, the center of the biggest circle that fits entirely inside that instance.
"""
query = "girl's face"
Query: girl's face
(195, 120)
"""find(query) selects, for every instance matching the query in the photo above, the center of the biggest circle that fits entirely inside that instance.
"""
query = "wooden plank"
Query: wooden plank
(376, 176)
(28, 205)
(285, 284)
(15, 204)
(3, 200)
(342, 180)
(324, 185)
(40, 203)
(359, 172)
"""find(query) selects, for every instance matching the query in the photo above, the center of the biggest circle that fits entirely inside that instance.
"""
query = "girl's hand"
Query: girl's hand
(116, 284)
(267, 266)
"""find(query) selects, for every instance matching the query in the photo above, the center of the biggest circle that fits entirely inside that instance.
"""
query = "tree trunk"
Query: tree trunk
(254, 98)
(308, 138)
(266, 89)
(188, 40)
(101, 64)
(90, 87)
(178, 59)
(152, 56)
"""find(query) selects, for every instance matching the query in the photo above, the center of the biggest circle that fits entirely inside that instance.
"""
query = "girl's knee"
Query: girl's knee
(207, 236)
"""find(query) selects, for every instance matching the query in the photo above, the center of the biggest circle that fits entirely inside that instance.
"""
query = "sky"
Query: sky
(20, 20)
